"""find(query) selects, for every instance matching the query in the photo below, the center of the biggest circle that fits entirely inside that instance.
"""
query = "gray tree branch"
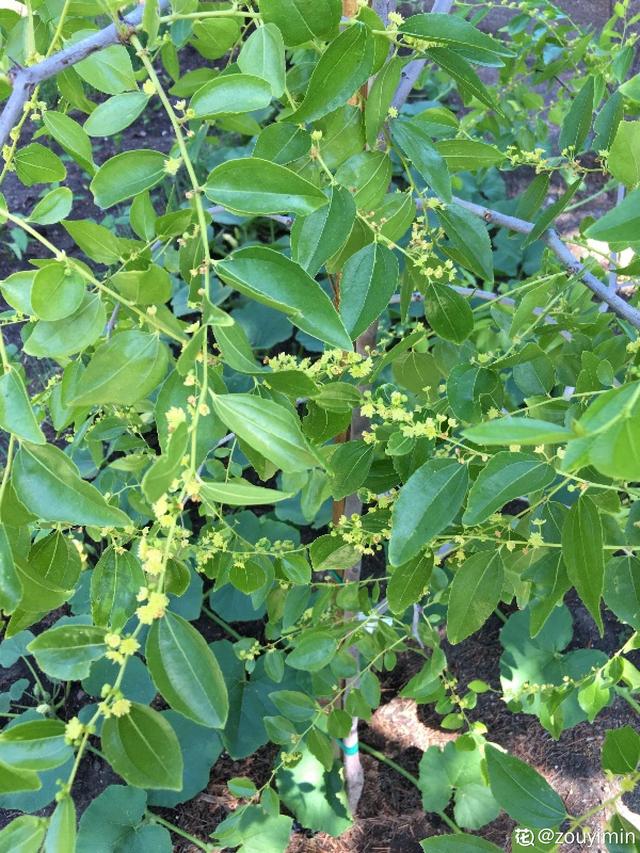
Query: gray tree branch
(26, 79)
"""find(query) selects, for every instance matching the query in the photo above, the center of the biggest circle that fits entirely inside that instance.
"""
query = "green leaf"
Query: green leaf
(254, 186)
(577, 122)
(126, 175)
(448, 313)
(621, 750)
(57, 291)
(61, 834)
(582, 547)
(458, 843)
(49, 484)
(469, 239)
(271, 278)
(427, 504)
(123, 370)
(108, 70)
(10, 585)
(409, 582)
(115, 114)
(369, 279)
(67, 652)
(96, 241)
(186, 672)
(505, 477)
(607, 122)
(53, 207)
(143, 749)
(620, 225)
(114, 821)
(60, 338)
(282, 143)
(416, 144)
(317, 237)
(71, 137)
(379, 99)
(316, 797)
(366, 175)
(262, 55)
(16, 414)
(456, 33)
(350, 463)
(238, 492)
(345, 65)
(312, 652)
(622, 589)
(35, 745)
(624, 155)
(522, 792)
(231, 94)
(35, 164)
(474, 595)
(115, 582)
(468, 155)
(546, 218)
(464, 75)
(267, 427)
(301, 21)
(517, 430)
(24, 834)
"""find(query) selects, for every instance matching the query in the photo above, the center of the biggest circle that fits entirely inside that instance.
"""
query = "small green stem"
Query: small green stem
(408, 776)
(215, 618)
(173, 828)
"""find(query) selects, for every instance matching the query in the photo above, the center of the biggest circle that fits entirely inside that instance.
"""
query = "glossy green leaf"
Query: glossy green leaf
(238, 492)
(470, 243)
(10, 585)
(272, 430)
(108, 70)
(522, 792)
(61, 834)
(71, 137)
(517, 430)
(57, 291)
(312, 652)
(36, 164)
(126, 175)
(317, 237)
(408, 582)
(379, 99)
(448, 313)
(301, 21)
(577, 122)
(262, 55)
(620, 224)
(23, 834)
(143, 748)
(115, 114)
(60, 338)
(582, 547)
(231, 94)
(474, 595)
(417, 146)
(123, 370)
(468, 155)
(505, 477)
(34, 745)
(271, 278)
(186, 672)
(368, 281)
(624, 156)
(67, 652)
(53, 207)
(350, 463)
(621, 750)
(427, 504)
(367, 176)
(115, 582)
(345, 65)
(456, 33)
(254, 186)
(49, 484)
(16, 414)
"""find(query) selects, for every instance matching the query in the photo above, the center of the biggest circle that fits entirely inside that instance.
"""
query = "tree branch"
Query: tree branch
(618, 305)
(26, 79)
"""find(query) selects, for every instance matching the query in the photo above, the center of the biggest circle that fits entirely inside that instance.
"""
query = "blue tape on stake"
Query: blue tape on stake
(349, 750)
